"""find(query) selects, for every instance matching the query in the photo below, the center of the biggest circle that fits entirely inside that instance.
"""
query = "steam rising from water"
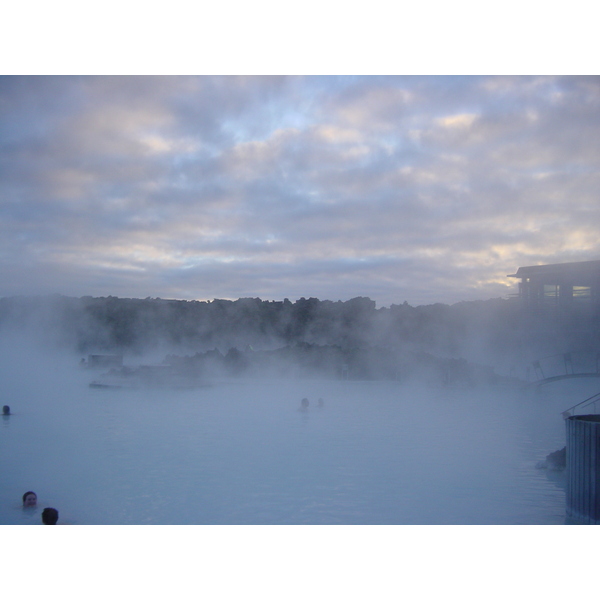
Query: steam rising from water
(242, 451)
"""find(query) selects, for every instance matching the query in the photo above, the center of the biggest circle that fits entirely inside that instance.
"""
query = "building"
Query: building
(568, 286)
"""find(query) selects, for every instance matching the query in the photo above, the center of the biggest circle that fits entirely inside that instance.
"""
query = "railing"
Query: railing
(566, 365)
(592, 400)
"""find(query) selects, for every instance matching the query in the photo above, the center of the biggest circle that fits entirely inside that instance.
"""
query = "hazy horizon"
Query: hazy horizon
(262, 299)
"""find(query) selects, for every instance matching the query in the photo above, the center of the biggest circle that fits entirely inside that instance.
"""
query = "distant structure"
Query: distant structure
(583, 469)
(566, 286)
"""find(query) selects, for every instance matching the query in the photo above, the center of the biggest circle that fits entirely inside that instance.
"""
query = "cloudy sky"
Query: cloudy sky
(425, 189)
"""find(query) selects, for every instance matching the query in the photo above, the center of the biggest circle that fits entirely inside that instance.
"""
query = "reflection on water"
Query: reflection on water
(249, 453)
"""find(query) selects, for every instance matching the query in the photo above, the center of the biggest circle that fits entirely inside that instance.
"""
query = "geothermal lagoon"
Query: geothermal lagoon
(244, 451)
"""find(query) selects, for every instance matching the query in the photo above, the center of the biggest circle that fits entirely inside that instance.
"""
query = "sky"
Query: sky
(401, 188)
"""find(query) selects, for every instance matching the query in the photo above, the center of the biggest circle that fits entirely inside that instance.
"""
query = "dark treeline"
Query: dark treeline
(493, 332)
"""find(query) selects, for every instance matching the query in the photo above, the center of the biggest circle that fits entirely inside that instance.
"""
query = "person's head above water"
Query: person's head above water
(29, 499)
(6, 410)
(49, 516)
(305, 402)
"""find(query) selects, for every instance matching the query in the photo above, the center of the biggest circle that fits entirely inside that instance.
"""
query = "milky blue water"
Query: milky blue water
(242, 452)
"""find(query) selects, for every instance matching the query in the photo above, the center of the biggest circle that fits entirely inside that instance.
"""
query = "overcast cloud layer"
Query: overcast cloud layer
(425, 189)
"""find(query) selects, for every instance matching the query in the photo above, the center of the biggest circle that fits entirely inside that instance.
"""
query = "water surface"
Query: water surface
(243, 452)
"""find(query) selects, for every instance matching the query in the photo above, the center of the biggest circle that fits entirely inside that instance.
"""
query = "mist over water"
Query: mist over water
(242, 451)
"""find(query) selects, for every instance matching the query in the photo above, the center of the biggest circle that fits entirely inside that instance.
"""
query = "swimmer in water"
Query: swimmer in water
(6, 410)
(29, 499)
(49, 516)
(304, 404)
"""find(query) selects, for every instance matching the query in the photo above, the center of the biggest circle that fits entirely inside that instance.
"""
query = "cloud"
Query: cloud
(399, 188)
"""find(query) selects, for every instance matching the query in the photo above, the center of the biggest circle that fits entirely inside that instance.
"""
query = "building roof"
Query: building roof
(588, 267)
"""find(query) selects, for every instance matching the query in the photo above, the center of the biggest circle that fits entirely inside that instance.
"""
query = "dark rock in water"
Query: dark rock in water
(555, 461)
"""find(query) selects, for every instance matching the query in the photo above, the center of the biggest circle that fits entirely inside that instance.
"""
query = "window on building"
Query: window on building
(551, 293)
(582, 293)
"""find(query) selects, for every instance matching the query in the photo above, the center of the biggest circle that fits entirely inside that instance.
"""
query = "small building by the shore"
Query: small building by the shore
(567, 286)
